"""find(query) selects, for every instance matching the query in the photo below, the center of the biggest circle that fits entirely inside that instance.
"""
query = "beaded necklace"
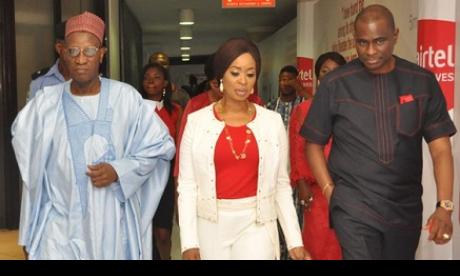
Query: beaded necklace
(229, 138)
(247, 141)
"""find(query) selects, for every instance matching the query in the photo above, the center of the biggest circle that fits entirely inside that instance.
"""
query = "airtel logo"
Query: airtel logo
(431, 58)
(306, 75)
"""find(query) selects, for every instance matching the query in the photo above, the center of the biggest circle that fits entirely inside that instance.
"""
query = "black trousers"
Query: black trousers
(365, 235)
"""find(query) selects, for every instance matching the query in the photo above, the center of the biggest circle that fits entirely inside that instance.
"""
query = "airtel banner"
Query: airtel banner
(436, 52)
(305, 67)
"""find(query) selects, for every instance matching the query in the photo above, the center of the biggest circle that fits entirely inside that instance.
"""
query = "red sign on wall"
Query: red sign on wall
(229, 4)
(436, 52)
(305, 67)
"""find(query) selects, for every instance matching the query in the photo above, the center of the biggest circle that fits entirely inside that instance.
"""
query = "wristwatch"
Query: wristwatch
(447, 205)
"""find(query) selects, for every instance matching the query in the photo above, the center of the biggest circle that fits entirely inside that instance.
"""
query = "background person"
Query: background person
(55, 74)
(318, 237)
(178, 96)
(288, 96)
(156, 86)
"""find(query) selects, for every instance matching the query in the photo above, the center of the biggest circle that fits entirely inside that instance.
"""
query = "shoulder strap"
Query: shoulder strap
(40, 73)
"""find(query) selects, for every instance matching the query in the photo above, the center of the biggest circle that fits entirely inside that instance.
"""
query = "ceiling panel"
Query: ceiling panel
(213, 25)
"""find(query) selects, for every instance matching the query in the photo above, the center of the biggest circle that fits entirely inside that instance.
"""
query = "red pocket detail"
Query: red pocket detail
(406, 99)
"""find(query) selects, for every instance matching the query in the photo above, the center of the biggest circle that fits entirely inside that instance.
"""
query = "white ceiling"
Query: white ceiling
(213, 25)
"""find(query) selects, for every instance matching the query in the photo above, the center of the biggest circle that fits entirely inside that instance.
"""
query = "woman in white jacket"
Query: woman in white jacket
(233, 179)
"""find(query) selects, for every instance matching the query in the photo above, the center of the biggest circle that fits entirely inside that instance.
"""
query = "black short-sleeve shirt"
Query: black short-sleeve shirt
(377, 123)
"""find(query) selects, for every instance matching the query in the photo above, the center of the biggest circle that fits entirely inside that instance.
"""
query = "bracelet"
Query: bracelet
(329, 184)
(306, 201)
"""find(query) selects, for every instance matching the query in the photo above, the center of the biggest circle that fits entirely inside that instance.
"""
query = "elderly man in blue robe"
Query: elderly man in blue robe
(94, 160)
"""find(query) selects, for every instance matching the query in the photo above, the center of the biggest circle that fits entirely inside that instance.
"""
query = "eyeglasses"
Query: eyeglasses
(88, 51)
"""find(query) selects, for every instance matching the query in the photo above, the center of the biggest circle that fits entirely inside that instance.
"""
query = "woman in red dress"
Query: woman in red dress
(319, 239)
(156, 86)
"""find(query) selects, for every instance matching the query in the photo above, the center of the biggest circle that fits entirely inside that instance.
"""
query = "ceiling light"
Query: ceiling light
(185, 59)
(185, 33)
(186, 17)
(185, 55)
(184, 46)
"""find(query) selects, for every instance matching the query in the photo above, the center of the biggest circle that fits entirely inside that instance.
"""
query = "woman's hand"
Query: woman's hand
(191, 254)
(299, 253)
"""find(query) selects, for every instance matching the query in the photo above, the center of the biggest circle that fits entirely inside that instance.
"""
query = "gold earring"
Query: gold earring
(221, 86)
(164, 92)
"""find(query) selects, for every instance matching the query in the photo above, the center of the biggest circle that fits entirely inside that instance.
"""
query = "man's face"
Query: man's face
(286, 83)
(83, 67)
(375, 41)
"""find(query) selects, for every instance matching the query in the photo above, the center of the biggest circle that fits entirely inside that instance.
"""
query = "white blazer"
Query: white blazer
(197, 174)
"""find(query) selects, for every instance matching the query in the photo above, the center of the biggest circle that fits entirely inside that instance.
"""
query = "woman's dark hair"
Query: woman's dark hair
(231, 50)
(167, 98)
(334, 56)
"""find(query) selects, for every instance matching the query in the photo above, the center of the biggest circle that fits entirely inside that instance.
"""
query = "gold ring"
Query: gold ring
(445, 236)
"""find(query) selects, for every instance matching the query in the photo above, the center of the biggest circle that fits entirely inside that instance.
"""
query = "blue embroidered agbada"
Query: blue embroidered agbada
(63, 216)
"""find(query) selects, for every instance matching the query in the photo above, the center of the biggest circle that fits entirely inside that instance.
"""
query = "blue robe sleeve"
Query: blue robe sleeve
(31, 141)
(143, 174)
(149, 148)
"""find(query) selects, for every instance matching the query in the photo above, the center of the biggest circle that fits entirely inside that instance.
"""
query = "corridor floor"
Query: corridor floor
(9, 249)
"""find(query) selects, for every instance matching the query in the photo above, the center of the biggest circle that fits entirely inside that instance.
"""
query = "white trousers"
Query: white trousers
(236, 235)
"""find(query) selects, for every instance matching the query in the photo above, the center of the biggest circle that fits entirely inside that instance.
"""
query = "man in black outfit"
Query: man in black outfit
(378, 108)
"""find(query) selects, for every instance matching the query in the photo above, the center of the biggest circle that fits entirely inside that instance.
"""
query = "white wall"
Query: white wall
(114, 40)
(334, 24)
(34, 41)
(180, 73)
(278, 50)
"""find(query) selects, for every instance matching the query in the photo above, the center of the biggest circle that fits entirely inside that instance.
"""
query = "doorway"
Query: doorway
(9, 175)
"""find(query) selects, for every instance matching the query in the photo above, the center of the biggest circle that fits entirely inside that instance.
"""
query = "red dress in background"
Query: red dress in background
(170, 120)
(319, 239)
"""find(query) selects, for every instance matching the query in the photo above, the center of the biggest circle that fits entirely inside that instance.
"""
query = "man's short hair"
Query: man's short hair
(374, 13)
(289, 69)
